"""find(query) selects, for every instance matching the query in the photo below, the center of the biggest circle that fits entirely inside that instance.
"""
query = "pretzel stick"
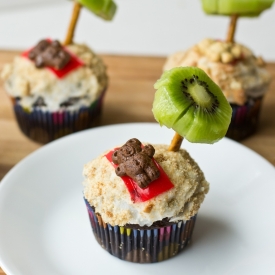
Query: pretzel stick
(72, 25)
(175, 143)
(232, 28)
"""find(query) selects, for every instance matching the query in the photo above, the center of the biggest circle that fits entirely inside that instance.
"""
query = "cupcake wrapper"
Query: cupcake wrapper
(44, 126)
(138, 245)
(244, 119)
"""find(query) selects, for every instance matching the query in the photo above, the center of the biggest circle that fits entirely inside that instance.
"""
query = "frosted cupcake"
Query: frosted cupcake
(143, 200)
(240, 74)
(56, 90)
(149, 221)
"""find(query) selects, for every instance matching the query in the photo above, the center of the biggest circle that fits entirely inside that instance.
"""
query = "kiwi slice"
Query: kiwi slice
(188, 101)
(105, 9)
(240, 7)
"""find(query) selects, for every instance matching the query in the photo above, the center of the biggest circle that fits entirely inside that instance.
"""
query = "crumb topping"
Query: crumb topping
(81, 86)
(104, 190)
(234, 67)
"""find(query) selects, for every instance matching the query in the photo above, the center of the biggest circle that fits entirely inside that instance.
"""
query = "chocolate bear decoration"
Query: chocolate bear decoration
(136, 162)
(51, 54)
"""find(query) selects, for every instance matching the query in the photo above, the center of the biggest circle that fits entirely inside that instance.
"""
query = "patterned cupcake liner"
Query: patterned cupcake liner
(44, 126)
(244, 119)
(141, 245)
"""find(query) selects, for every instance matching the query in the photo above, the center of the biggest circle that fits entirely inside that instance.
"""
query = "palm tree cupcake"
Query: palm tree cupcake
(240, 74)
(143, 199)
(58, 88)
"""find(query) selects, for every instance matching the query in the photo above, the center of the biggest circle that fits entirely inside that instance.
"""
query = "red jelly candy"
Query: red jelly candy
(155, 188)
(73, 64)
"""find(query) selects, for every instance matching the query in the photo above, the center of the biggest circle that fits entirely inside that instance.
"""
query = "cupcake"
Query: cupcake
(51, 99)
(240, 74)
(57, 89)
(155, 220)
(143, 199)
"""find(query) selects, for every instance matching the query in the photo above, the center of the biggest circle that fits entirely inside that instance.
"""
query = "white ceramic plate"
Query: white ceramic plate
(44, 227)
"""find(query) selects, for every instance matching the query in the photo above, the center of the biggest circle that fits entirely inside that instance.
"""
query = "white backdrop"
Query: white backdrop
(147, 27)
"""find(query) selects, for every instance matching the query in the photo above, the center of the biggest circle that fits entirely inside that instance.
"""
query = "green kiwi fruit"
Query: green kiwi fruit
(240, 7)
(102, 8)
(188, 101)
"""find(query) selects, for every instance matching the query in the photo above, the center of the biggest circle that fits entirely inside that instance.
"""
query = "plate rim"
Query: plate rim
(5, 180)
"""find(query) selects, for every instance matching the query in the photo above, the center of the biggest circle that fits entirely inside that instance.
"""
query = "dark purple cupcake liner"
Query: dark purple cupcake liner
(244, 119)
(44, 126)
(141, 245)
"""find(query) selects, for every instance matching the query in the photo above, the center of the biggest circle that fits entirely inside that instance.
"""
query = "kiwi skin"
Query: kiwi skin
(189, 102)
(241, 7)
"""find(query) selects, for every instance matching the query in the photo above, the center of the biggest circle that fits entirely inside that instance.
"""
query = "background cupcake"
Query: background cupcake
(58, 89)
(48, 107)
(240, 74)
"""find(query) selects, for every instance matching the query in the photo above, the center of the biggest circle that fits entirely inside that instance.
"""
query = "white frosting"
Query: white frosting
(24, 80)
(107, 192)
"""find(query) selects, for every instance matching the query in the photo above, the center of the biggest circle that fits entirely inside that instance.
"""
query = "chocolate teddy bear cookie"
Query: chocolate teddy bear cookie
(47, 53)
(136, 162)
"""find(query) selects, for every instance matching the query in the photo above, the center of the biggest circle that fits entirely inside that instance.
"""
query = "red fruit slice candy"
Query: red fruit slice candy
(155, 188)
(73, 64)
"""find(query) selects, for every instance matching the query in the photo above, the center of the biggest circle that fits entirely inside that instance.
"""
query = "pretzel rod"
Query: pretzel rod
(175, 143)
(72, 25)
(232, 28)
